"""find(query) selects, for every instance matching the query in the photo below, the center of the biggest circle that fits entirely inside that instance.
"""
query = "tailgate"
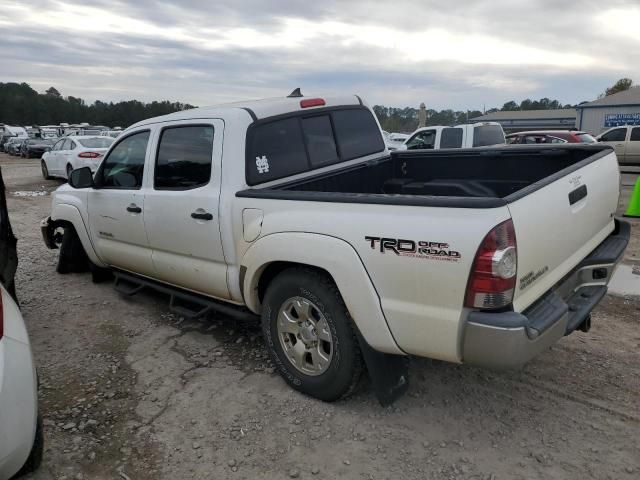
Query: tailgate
(561, 223)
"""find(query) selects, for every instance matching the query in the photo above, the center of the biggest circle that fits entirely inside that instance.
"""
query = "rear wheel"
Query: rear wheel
(45, 170)
(69, 170)
(310, 336)
(72, 257)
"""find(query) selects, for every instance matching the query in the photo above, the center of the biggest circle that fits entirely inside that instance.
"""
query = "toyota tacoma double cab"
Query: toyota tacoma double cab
(292, 209)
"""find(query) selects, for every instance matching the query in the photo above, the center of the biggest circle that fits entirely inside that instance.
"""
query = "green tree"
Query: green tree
(620, 86)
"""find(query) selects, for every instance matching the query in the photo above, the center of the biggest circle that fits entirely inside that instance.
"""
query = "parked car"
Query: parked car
(550, 136)
(12, 147)
(21, 437)
(394, 140)
(35, 147)
(458, 136)
(626, 143)
(69, 153)
(293, 209)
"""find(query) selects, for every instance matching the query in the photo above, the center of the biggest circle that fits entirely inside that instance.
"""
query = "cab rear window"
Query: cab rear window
(303, 142)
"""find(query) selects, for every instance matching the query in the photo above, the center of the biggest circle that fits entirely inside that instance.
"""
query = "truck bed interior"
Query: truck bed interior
(496, 175)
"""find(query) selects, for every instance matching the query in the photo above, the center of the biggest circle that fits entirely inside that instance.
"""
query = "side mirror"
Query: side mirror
(81, 178)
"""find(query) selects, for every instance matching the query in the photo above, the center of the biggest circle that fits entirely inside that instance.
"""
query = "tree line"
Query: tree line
(406, 119)
(22, 105)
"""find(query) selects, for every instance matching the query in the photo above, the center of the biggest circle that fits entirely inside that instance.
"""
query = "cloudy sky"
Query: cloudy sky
(450, 54)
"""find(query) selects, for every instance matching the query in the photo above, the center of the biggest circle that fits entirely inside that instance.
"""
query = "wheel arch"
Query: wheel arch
(272, 254)
(63, 215)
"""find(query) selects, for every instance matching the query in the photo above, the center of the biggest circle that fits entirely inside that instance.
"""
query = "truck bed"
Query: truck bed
(468, 178)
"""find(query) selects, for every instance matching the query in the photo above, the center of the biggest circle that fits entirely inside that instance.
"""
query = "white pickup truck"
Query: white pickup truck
(471, 135)
(294, 210)
(626, 143)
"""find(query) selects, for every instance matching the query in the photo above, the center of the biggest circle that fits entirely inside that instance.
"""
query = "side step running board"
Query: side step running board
(186, 304)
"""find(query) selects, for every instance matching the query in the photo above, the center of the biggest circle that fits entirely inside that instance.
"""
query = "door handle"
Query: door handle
(133, 208)
(200, 214)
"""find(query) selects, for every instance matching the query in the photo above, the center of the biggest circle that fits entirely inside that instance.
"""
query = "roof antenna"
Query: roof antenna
(296, 93)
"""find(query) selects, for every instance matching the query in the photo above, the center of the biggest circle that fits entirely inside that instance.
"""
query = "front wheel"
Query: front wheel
(310, 336)
(45, 170)
(72, 257)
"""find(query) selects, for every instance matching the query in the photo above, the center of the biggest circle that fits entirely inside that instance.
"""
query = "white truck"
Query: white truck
(471, 135)
(626, 143)
(293, 210)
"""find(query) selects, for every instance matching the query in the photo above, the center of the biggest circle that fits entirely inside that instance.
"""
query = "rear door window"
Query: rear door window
(184, 158)
(488, 135)
(635, 135)
(451, 138)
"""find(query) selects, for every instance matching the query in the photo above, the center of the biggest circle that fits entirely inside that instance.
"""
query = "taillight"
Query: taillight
(312, 102)
(492, 280)
(89, 155)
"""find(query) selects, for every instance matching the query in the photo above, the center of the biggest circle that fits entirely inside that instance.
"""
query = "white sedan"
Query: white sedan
(70, 153)
(395, 140)
(21, 439)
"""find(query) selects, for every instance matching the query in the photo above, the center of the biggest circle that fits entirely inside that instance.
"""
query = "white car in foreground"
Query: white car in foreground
(21, 439)
(70, 153)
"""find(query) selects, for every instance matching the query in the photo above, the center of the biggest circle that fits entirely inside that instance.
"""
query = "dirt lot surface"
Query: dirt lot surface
(130, 391)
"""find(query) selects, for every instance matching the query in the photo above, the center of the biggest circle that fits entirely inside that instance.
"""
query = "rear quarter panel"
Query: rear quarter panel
(421, 295)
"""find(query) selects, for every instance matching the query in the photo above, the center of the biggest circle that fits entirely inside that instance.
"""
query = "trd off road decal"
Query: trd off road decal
(411, 248)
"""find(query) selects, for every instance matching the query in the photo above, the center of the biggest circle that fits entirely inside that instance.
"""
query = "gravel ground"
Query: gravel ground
(130, 391)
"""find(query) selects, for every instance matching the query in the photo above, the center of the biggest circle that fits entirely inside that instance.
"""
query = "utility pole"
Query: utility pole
(422, 116)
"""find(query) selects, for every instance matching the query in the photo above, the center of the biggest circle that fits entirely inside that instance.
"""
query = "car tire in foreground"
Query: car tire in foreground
(34, 460)
(310, 335)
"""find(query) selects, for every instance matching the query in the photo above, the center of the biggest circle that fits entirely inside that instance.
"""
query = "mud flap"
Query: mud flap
(389, 374)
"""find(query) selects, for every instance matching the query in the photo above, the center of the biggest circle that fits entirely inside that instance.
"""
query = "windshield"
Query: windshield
(488, 135)
(101, 142)
(585, 138)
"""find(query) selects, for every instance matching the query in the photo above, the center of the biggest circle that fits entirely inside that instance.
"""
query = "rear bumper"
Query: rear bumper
(510, 339)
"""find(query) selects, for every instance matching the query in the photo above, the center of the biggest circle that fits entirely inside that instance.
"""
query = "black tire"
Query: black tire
(72, 256)
(34, 460)
(345, 368)
(69, 170)
(45, 170)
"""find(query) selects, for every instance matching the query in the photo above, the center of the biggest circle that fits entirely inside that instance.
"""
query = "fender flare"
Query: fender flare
(340, 260)
(63, 212)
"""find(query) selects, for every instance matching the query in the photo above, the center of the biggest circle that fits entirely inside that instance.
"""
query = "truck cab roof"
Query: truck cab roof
(258, 109)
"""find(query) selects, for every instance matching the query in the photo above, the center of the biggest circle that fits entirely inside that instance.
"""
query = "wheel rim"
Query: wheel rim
(305, 336)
